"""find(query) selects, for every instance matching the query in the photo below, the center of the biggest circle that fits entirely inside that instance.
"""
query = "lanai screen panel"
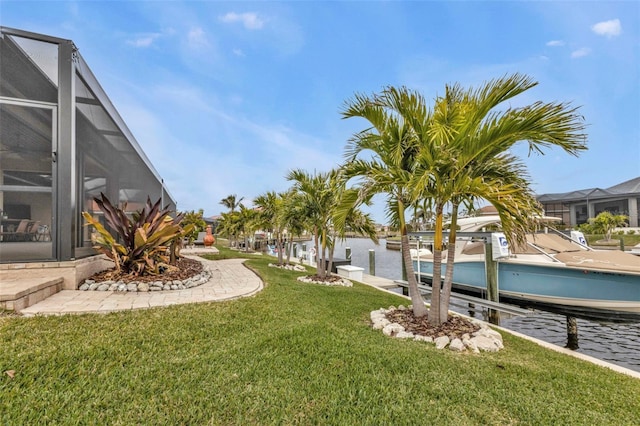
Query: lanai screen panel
(28, 118)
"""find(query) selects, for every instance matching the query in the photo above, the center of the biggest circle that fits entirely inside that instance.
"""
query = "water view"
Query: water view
(618, 343)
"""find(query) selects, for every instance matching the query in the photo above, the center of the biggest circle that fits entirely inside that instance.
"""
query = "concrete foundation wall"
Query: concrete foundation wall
(72, 272)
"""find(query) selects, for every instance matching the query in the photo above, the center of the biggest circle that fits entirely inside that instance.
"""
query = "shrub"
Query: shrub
(605, 223)
(140, 244)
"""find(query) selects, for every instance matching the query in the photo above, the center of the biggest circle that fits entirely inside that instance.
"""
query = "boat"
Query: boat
(555, 270)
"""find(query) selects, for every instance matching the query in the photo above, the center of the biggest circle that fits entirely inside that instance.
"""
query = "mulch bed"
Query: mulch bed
(185, 268)
(455, 325)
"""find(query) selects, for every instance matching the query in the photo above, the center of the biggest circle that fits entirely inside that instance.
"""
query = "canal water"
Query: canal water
(617, 343)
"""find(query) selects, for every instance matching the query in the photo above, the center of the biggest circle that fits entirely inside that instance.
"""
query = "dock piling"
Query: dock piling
(372, 262)
(572, 333)
(491, 271)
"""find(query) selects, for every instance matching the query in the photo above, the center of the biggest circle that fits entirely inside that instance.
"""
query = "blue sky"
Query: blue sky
(226, 97)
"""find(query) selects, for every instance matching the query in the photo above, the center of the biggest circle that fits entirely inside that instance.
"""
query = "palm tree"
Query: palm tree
(232, 202)
(247, 224)
(319, 191)
(392, 145)
(270, 217)
(455, 154)
(467, 158)
(229, 225)
(294, 218)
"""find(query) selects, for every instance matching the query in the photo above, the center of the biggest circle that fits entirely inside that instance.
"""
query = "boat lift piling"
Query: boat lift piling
(372, 262)
(491, 271)
(572, 333)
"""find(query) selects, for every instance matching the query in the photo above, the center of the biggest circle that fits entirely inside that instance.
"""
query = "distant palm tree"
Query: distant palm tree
(271, 218)
(232, 202)
(319, 191)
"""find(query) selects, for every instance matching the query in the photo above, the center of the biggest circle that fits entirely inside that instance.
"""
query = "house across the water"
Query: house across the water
(577, 207)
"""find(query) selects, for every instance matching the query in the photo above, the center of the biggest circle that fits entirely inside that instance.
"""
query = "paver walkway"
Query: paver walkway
(230, 279)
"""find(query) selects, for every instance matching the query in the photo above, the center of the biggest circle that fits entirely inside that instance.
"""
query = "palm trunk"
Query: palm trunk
(434, 309)
(316, 241)
(419, 309)
(448, 276)
(289, 250)
(330, 264)
(323, 258)
(280, 257)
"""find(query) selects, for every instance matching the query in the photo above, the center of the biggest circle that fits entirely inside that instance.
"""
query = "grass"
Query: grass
(293, 354)
(630, 240)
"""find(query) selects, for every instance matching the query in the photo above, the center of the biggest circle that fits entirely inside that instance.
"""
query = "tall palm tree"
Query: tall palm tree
(466, 158)
(454, 154)
(391, 144)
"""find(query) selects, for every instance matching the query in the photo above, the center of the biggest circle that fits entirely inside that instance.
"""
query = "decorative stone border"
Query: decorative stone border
(289, 267)
(485, 339)
(133, 286)
(341, 282)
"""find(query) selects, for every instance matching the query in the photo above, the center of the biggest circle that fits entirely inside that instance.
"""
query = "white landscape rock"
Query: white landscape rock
(441, 342)
(392, 329)
(456, 345)
(420, 338)
(485, 339)
(135, 286)
(404, 335)
(485, 343)
(340, 282)
(380, 323)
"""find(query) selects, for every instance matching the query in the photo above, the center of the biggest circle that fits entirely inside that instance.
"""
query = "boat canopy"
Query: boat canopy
(475, 224)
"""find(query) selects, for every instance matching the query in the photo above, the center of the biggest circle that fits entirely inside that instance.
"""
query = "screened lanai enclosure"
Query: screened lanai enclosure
(61, 143)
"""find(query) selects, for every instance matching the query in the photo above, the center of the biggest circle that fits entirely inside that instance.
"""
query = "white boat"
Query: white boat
(553, 269)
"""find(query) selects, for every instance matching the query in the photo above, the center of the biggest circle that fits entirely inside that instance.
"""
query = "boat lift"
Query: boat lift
(425, 290)
(491, 271)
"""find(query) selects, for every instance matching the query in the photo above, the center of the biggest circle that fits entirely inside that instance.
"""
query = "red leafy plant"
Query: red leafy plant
(145, 242)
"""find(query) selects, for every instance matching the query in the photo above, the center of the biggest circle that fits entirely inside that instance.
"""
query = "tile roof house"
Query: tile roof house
(577, 207)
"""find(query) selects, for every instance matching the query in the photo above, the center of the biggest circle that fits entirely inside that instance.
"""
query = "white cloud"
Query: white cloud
(555, 43)
(238, 52)
(197, 37)
(608, 29)
(584, 51)
(143, 40)
(250, 20)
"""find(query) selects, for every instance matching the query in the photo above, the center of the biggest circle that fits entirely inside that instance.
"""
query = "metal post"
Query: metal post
(372, 262)
(572, 333)
(491, 273)
(621, 243)
(347, 251)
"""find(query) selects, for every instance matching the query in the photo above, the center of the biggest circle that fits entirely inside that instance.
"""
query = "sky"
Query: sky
(227, 97)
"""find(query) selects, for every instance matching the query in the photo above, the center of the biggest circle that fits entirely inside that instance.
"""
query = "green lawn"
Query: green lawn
(293, 354)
